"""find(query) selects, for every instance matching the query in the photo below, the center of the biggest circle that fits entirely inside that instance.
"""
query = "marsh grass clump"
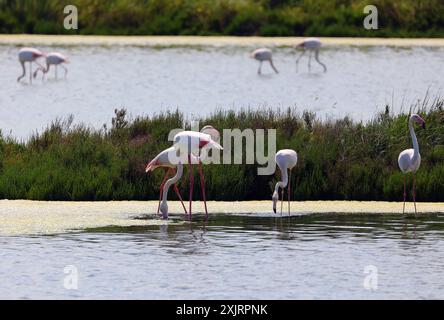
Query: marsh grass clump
(339, 159)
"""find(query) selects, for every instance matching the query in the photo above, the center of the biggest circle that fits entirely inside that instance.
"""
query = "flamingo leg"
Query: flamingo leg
(24, 71)
(176, 189)
(191, 183)
(289, 189)
(30, 72)
(405, 196)
(202, 186)
(66, 70)
(161, 188)
(299, 58)
(56, 72)
(414, 191)
(272, 65)
(282, 200)
(309, 61)
(259, 71)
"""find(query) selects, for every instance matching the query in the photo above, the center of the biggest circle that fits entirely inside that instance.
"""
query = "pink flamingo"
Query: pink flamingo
(28, 55)
(312, 45)
(163, 160)
(191, 144)
(286, 160)
(56, 59)
(409, 160)
(263, 54)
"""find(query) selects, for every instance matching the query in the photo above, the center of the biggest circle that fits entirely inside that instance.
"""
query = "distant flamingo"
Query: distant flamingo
(409, 160)
(312, 45)
(262, 55)
(286, 160)
(163, 160)
(56, 59)
(192, 144)
(29, 55)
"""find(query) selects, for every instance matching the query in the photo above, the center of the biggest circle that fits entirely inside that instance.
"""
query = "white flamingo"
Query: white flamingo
(28, 55)
(193, 145)
(311, 45)
(409, 160)
(261, 55)
(56, 59)
(286, 160)
(163, 160)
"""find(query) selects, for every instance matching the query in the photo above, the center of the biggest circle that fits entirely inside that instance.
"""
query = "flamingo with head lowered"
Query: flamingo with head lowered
(261, 55)
(409, 160)
(286, 160)
(29, 55)
(56, 59)
(311, 45)
(163, 160)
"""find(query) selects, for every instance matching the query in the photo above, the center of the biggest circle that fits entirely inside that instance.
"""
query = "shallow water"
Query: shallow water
(233, 257)
(199, 80)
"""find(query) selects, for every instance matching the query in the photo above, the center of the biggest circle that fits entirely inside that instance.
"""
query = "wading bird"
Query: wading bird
(193, 145)
(286, 160)
(311, 45)
(164, 160)
(29, 55)
(262, 55)
(56, 59)
(409, 160)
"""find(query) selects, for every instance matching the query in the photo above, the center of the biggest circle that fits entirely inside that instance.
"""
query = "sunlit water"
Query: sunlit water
(146, 80)
(234, 257)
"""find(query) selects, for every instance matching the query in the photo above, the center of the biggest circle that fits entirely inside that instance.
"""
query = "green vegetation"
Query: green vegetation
(400, 18)
(338, 159)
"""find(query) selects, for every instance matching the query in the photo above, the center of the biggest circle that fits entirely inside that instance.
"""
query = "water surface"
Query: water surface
(200, 80)
(234, 257)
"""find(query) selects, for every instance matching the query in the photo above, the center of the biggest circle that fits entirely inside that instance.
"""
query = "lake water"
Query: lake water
(234, 256)
(199, 80)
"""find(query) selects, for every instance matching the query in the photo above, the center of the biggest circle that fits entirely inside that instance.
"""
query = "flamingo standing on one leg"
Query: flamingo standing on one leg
(409, 160)
(312, 45)
(163, 160)
(191, 144)
(56, 59)
(263, 54)
(286, 160)
(29, 55)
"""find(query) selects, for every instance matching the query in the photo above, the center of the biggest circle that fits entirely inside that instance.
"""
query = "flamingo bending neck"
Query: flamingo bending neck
(415, 141)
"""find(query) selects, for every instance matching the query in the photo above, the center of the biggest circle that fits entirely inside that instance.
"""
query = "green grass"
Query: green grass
(400, 18)
(338, 159)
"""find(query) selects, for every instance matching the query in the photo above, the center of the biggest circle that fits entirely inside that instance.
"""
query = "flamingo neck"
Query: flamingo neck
(414, 139)
(284, 181)
(171, 181)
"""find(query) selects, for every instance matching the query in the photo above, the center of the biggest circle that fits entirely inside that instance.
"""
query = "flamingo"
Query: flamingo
(163, 160)
(56, 59)
(29, 55)
(312, 45)
(286, 159)
(263, 54)
(192, 145)
(409, 160)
